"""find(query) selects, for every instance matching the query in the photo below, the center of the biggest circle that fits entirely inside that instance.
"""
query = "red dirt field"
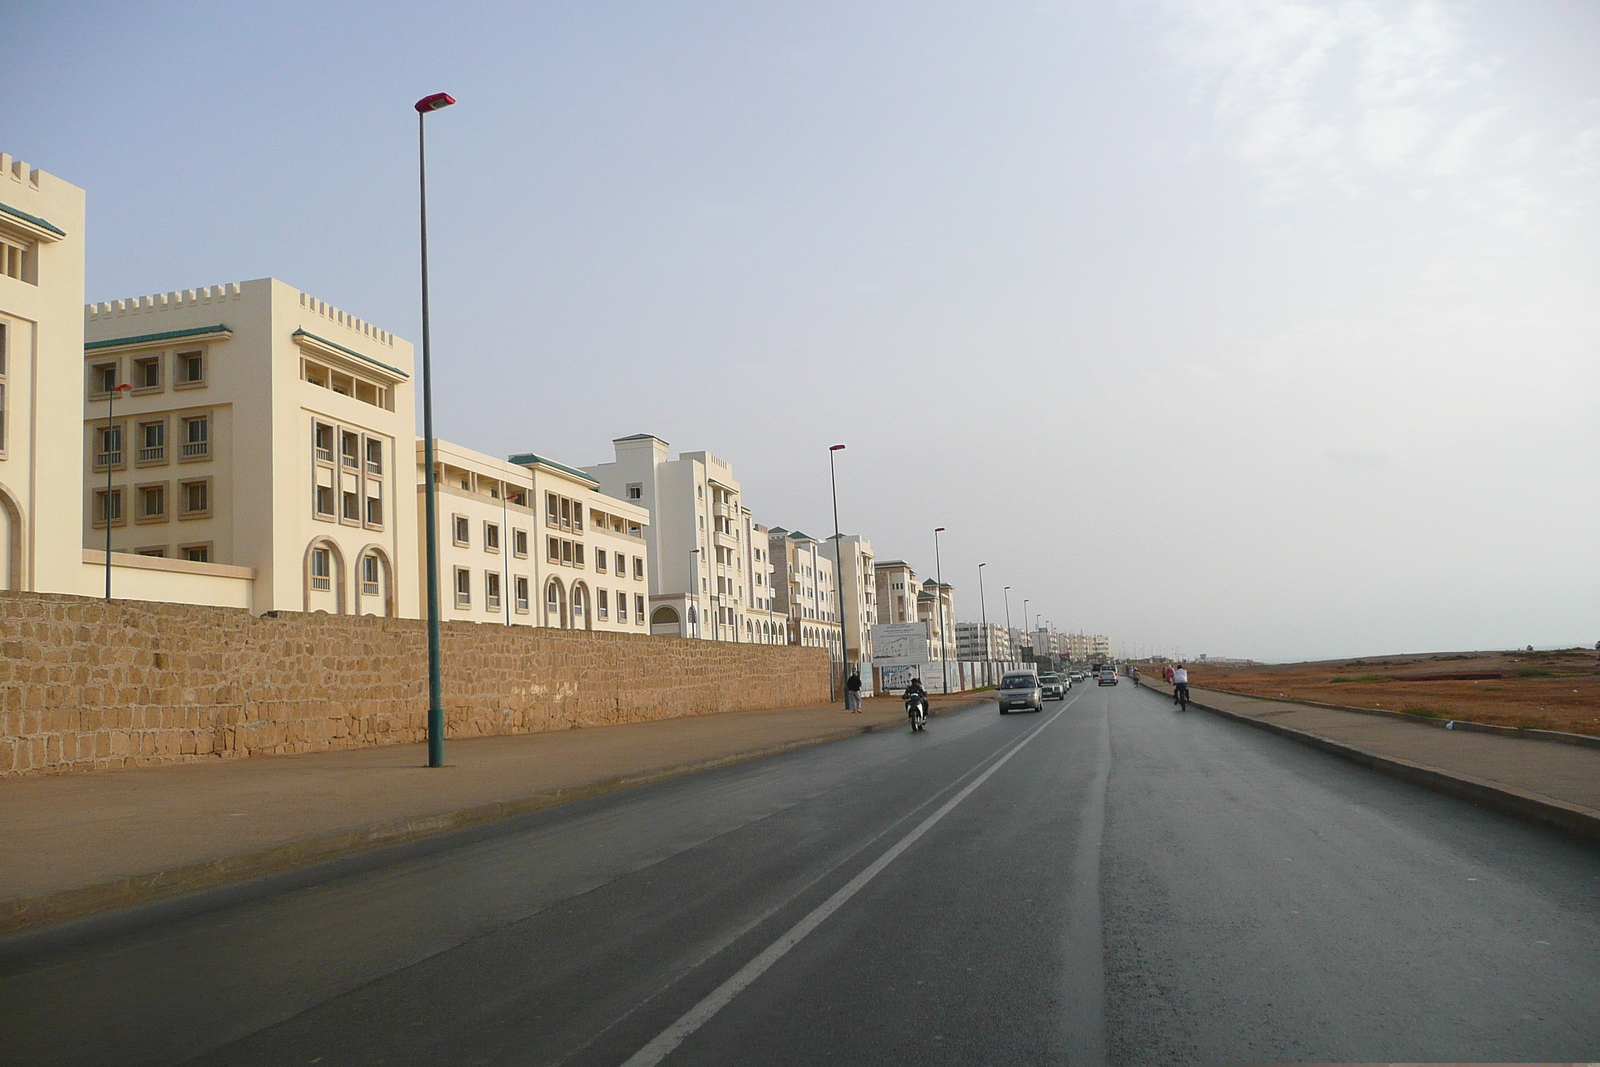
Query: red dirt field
(1545, 690)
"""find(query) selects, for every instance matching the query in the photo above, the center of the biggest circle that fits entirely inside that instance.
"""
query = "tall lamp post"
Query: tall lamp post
(425, 106)
(111, 407)
(938, 577)
(838, 573)
(1009, 650)
(983, 612)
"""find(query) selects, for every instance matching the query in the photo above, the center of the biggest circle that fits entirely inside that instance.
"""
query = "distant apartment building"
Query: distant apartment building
(255, 427)
(936, 607)
(897, 589)
(767, 625)
(980, 641)
(697, 550)
(804, 589)
(858, 596)
(530, 542)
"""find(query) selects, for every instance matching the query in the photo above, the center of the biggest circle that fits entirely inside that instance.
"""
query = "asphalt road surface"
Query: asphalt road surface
(1110, 881)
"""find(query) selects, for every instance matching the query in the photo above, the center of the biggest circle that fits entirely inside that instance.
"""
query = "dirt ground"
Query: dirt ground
(1549, 690)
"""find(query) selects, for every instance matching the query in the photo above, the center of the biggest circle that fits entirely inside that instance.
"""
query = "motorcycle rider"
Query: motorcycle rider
(915, 690)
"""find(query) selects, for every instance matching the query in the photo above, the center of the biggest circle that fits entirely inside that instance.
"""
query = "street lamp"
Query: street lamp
(838, 573)
(424, 107)
(938, 577)
(111, 407)
(1007, 592)
(983, 611)
(694, 576)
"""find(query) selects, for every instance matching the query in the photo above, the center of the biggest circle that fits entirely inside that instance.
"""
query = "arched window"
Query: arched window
(664, 616)
(555, 604)
(323, 577)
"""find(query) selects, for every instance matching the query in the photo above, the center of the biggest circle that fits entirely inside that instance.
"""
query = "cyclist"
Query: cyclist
(1180, 685)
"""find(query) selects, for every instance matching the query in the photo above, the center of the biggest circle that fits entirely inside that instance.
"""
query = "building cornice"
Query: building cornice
(328, 350)
(218, 332)
(32, 225)
(529, 459)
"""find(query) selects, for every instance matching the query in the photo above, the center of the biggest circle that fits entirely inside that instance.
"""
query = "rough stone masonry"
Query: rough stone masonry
(91, 685)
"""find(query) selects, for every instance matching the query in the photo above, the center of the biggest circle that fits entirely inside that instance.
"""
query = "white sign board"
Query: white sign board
(899, 643)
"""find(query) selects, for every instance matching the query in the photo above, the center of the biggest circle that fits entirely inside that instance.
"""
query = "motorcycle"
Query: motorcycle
(917, 711)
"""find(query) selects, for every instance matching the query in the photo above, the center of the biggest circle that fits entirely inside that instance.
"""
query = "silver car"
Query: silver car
(1020, 689)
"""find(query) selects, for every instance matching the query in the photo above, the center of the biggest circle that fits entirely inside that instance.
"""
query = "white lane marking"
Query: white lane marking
(697, 1016)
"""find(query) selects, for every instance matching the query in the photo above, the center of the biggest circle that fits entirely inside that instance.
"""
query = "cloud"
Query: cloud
(1335, 96)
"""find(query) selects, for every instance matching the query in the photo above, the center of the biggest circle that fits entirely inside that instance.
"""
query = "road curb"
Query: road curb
(1570, 819)
(31, 913)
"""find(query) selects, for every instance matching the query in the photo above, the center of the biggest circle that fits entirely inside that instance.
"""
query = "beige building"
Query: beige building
(858, 597)
(804, 589)
(529, 542)
(255, 427)
(41, 342)
(765, 623)
(698, 549)
(897, 588)
(979, 641)
(936, 607)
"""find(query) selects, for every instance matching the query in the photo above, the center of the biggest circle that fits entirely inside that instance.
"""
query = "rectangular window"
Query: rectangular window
(577, 552)
(566, 552)
(491, 537)
(19, 261)
(600, 560)
(462, 532)
(566, 514)
(342, 384)
(552, 510)
(521, 586)
(321, 569)
(103, 378)
(622, 565)
(153, 442)
(350, 449)
(491, 590)
(324, 500)
(553, 554)
(108, 446)
(519, 543)
(111, 503)
(315, 373)
(374, 510)
(622, 607)
(374, 456)
(322, 441)
(152, 502)
(195, 498)
(147, 374)
(189, 369)
(577, 516)
(638, 568)
(463, 587)
(197, 437)
(154, 551)
(603, 604)
(369, 575)
(352, 505)
(638, 608)
(202, 553)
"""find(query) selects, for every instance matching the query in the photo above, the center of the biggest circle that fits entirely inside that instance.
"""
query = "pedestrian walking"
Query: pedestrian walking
(852, 692)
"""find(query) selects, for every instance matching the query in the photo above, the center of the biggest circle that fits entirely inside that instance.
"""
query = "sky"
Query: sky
(1263, 328)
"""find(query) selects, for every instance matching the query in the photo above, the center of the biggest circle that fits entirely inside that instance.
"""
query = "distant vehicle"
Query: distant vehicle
(1019, 689)
(1053, 687)
(1107, 676)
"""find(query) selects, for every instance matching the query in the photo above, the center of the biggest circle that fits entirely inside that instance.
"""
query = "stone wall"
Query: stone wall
(89, 685)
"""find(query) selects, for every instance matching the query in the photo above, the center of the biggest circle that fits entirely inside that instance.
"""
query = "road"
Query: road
(1109, 881)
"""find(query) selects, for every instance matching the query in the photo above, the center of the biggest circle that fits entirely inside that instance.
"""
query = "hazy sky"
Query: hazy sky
(1252, 327)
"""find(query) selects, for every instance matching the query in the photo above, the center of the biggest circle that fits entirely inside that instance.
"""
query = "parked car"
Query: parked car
(1107, 676)
(1053, 686)
(1019, 689)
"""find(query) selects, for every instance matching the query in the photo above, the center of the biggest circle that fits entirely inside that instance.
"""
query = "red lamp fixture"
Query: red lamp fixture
(434, 102)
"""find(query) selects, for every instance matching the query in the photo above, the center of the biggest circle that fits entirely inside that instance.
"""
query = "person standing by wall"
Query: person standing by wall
(852, 692)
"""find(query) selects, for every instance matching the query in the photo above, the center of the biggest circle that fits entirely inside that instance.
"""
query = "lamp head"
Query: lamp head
(123, 388)
(835, 448)
(938, 529)
(434, 103)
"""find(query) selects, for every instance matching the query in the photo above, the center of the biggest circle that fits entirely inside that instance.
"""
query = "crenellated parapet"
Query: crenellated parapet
(218, 294)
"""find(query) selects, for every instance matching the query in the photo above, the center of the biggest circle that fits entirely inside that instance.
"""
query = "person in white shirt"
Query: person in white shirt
(1180, 683)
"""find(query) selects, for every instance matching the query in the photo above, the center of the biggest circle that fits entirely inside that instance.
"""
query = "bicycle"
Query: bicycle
(1180, 696)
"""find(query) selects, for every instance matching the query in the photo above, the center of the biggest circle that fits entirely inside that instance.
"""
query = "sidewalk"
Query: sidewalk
(1546, 781)
(76, 844)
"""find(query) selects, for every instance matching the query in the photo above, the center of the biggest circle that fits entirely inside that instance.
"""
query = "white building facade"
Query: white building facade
(805, 589)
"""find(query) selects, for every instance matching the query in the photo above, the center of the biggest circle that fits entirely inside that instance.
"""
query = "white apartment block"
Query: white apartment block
(804, 589)
(766, 623)
(858, 597)
(529, 542)
(255, 428)
(936, 607)
(980, 641)
(897, 589)
(41, 341)
(697, 540)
